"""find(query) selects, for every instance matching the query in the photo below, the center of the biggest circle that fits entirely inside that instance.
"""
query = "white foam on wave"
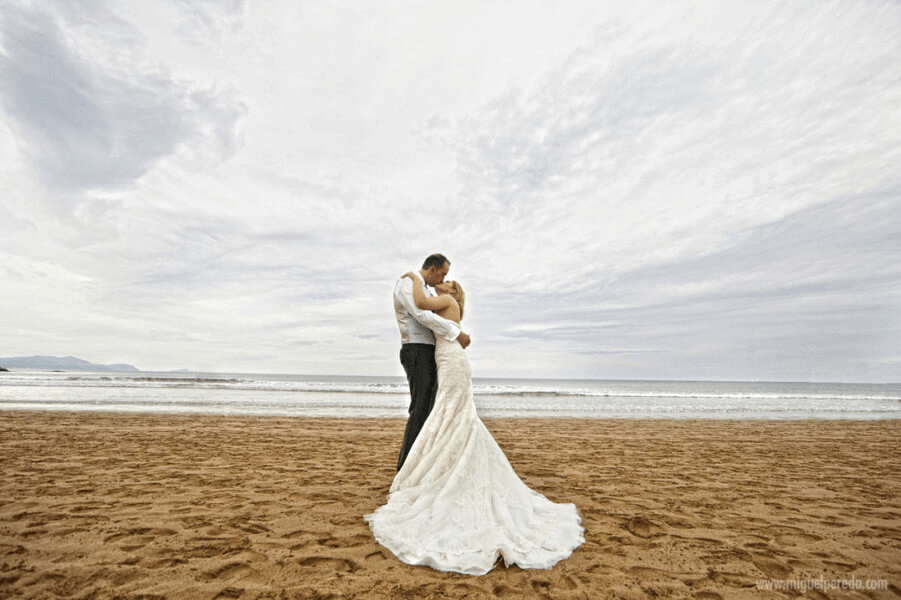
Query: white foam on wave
(388, 396)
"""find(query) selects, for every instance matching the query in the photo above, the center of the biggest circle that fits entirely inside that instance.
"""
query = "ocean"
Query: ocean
(385, 397)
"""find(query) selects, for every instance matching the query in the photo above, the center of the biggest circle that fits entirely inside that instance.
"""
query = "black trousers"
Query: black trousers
(422, 375)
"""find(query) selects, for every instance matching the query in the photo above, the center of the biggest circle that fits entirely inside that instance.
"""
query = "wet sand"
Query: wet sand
(105, 505)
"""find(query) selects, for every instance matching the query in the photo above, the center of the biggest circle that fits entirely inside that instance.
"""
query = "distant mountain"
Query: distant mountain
(62, 363)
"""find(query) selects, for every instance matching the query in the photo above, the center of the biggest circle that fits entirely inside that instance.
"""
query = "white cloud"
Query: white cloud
(204, 18)
(89, 122)
(655, 190)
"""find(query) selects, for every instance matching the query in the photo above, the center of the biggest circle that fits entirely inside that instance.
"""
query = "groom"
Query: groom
(417, 353)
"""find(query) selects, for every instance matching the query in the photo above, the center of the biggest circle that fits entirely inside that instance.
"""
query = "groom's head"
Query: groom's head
(434, 269)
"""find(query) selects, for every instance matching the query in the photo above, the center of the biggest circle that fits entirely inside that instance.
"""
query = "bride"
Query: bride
(456, 504)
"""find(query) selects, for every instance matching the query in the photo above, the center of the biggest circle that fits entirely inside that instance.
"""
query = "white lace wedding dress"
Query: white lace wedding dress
(456, 504)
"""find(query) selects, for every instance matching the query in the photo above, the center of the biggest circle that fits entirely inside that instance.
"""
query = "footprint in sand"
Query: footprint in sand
(540, 585)
(166, 562)
(771, 568)
(794, 539)
(306, 534)
(9, 549)
(251, 527)
(731, 579)
(648, 573)
(141, 533)
(229, 571)
(503, 591)
(198, 523)
(334, 564)
(135, 539)
(29, 533)
(210, 547)
(344, 542)
(465, 590)
(569, 583)
(643, 527)
(229, 592)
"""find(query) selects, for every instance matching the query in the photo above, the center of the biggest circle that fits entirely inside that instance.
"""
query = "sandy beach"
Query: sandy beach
(106, 505)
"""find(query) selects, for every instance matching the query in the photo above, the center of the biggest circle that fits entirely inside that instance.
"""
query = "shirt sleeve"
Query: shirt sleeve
(441, 326)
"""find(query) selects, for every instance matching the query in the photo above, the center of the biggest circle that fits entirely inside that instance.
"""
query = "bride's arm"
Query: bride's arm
(427, 302)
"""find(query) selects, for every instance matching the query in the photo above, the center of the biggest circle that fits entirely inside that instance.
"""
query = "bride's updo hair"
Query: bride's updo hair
(457, 293)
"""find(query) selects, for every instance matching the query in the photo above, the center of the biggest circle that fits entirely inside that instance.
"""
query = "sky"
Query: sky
(626, 190)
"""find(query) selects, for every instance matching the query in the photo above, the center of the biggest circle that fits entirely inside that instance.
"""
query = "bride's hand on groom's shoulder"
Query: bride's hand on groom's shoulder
(409, 274)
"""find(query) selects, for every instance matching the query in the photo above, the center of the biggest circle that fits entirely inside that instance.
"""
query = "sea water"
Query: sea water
(380, 397)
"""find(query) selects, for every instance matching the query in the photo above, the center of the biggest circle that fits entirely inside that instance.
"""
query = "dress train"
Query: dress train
(457, 504)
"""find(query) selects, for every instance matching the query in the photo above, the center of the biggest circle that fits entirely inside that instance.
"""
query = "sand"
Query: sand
(104, 505)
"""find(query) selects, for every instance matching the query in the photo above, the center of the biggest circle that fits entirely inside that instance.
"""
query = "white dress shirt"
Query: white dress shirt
(416, 325)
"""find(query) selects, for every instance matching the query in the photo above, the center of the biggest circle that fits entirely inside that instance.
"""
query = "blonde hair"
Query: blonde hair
(459, 295)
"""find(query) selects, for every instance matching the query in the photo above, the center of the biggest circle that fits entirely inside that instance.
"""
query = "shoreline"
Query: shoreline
(484, 415)
(373, 397)
(205, 506)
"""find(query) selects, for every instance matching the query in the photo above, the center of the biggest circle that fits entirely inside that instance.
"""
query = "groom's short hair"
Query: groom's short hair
(435, 260)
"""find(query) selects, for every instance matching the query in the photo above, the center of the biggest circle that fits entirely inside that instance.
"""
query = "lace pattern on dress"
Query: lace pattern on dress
(457, 504)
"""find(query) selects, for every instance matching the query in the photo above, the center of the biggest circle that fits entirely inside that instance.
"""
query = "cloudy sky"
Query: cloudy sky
(653, 190)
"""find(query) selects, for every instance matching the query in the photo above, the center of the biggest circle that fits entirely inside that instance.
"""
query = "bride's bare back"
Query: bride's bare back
(444, 305)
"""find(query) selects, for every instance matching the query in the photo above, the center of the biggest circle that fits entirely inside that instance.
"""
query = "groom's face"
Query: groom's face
(436, 276)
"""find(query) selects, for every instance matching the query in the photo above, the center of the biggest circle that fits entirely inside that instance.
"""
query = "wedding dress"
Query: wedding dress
(456, 504)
